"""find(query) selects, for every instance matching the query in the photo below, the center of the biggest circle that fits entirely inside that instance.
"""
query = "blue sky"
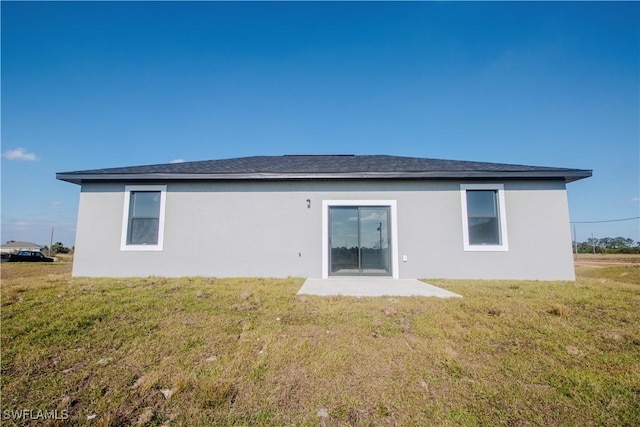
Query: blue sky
(90, 85)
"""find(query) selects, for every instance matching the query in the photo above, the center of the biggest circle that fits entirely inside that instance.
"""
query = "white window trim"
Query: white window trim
(502, 213)
(125, 217)
(391, 204)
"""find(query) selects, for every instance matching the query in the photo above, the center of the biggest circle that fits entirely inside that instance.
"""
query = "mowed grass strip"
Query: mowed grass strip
(206, 351)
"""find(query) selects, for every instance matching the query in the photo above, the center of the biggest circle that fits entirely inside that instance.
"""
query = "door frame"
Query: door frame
(393, 210)
(358, 224)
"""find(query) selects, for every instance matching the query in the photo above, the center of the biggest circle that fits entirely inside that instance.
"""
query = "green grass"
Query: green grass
(249, 352)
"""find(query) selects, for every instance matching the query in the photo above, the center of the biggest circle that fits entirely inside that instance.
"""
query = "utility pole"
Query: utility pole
(593, 244)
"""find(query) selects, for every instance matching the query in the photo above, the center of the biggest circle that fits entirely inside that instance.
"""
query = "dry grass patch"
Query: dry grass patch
(606, 260)
(203, 351)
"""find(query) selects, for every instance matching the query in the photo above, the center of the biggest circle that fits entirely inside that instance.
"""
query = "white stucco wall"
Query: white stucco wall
(266, 229)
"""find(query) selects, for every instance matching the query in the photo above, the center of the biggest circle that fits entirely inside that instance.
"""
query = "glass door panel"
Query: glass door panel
(359, 240)
(374, 240)
(344, 240)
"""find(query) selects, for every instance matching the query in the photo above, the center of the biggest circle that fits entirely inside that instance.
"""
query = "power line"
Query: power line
(606, 220)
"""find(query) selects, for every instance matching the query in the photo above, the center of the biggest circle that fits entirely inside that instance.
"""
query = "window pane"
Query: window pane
(145, 204)
(482, 211)
(481, 203)
(144, 218)
(484, 231)
(144, 231)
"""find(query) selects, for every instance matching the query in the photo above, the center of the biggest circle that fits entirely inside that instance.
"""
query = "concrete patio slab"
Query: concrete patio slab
(372, 287)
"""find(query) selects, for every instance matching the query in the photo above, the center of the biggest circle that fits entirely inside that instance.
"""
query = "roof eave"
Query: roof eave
(568, 176)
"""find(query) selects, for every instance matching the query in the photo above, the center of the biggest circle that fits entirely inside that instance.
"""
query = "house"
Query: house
(13, 246)
(319, 216)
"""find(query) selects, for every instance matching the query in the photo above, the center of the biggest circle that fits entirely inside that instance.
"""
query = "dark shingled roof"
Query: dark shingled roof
(323, 167)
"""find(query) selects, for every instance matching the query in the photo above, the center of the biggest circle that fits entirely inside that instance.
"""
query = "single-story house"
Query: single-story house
(318, 216)
(14, 246)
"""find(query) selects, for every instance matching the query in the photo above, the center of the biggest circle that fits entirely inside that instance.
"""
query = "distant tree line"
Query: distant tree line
(57, 248)
(608, 245)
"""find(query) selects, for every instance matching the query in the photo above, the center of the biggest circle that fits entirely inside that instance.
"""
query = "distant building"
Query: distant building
(11, 247)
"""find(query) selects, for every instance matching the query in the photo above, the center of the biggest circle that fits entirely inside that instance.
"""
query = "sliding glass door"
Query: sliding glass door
(359, 240)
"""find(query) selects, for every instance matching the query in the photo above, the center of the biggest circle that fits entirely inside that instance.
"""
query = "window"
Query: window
(143, 218)
(483, 217)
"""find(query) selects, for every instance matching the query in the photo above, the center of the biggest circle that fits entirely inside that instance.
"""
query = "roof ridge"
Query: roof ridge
(318, 155)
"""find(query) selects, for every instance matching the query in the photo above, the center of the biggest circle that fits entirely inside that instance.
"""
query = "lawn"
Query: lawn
(207, 351)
